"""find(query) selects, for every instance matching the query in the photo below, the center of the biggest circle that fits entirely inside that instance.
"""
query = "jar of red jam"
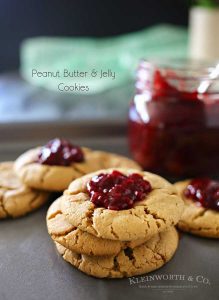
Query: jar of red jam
(174, 118)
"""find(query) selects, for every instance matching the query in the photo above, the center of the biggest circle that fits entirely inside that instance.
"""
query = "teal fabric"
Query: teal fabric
(119, 54)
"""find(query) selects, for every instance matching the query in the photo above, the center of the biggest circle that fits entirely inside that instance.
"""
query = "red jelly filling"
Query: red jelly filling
(173, 129)
(204, 191)
(60, 152)
(117, 191)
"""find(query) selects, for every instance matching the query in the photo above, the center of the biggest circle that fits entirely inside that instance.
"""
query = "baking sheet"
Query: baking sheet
(31, 269)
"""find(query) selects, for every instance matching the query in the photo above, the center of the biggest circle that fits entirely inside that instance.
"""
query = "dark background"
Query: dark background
(20, 19)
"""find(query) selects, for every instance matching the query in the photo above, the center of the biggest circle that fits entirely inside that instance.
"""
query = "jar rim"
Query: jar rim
(185, 69)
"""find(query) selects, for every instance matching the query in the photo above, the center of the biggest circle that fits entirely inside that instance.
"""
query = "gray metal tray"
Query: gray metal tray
(31, 269)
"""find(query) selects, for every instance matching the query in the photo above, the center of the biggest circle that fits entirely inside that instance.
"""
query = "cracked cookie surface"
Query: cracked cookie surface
(129, 262)
(17, 199)
(57, 178)
(161, 208)
(80, 241)
(197, 219)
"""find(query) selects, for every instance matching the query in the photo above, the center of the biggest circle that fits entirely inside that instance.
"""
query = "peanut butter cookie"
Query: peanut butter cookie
(16, 199)
(159, 208)
(129, 262)
(201, 215)
(54, 166)
(80, 241)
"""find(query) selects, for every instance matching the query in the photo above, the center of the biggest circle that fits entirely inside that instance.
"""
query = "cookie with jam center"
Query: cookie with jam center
(54, 166)
(16, 199)
(84, 204)
(199, 218)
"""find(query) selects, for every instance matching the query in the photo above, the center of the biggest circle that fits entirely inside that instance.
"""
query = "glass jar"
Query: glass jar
(174, 118)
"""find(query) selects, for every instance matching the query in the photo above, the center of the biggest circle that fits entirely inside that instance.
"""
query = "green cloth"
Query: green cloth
(119, 54)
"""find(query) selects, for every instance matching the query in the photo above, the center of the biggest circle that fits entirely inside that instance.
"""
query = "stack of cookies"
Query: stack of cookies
(116, 222)
(113, 220)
